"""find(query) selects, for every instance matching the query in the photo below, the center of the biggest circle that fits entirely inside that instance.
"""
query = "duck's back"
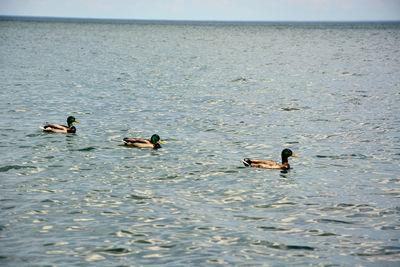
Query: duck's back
(266, 164)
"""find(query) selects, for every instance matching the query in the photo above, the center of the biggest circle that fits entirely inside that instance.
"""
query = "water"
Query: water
(215, 93)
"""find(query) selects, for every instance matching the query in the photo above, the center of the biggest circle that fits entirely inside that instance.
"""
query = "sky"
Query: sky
(231, 10)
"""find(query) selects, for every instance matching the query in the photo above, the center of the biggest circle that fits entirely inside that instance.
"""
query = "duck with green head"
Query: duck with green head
(269, 164)
(57, 128)
(153, 142)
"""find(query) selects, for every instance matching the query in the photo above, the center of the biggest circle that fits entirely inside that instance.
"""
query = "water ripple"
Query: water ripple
(281, 246)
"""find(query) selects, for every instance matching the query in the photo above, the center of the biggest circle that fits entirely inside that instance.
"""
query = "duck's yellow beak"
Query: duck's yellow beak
(160, 141)
(293, 155)
(76, 121)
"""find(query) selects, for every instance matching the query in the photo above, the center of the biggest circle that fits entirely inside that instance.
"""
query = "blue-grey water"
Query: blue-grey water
(215, 93)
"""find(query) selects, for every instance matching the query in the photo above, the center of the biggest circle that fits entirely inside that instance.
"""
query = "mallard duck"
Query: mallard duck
(57, 128)
(154, 142)
(269, 164)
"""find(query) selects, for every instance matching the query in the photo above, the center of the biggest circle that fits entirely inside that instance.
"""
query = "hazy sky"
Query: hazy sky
(264, 10)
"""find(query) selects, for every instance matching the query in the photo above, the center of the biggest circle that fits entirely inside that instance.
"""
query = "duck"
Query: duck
(153, 142)
(270, 164)
(57, 128)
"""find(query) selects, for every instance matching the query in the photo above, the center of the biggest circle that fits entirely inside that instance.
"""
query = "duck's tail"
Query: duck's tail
(45, 127)
(246, 162)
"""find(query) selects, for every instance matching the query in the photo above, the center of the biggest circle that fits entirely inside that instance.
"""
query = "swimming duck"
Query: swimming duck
(154, 142)
(269, 164)
(57, 128)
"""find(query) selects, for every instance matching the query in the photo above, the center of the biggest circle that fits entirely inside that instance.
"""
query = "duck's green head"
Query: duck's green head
(155, 138)
(286, 153)
(70, 120)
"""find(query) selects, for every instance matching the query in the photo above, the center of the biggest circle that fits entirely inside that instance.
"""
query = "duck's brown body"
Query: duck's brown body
(140, 142)
(56, 128)
(269, 164)
(144, 143)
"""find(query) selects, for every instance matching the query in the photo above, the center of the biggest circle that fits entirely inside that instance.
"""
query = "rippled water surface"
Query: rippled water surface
(215, 93)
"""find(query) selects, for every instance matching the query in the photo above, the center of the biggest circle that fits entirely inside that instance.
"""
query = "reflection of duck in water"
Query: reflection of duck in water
(269, 164)
(154, 142)
(57, 128)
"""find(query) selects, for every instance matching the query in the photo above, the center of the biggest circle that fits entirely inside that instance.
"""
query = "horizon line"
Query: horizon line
(94, 19)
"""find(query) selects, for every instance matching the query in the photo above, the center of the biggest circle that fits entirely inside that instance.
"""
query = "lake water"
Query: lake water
(215, 93)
